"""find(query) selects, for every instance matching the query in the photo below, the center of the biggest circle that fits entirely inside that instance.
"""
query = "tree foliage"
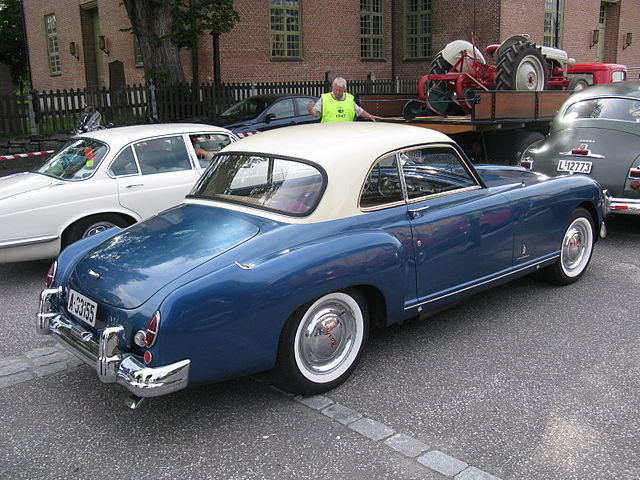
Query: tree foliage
(13, 50)
(163, 27)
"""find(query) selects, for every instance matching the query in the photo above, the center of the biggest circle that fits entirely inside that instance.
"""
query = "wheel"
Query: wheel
(575, 251)
(438, 94)
(322, 343)
(578, 83)
(522, 67)
(88, 226)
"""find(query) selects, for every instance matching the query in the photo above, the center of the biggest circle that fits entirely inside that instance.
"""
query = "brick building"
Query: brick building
(72, 43)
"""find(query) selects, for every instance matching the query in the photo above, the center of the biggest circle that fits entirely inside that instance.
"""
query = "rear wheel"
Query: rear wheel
(322, 343)
(89, 226)
(522, 67)
(575, 251)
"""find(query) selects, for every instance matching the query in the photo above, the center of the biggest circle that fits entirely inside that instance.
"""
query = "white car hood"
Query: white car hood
(22, 183)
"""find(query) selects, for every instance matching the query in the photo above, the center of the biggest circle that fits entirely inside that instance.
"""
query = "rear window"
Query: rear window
(623, 109)
(282, 185)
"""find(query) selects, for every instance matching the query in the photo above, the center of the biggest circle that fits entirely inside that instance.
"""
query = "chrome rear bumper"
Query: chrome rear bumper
(626, 206)
(103, 353)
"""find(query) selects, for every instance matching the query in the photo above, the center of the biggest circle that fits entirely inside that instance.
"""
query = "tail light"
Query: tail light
(580, 151)
(634, 172)
(152, 330)
(527, 163)
(51, 275)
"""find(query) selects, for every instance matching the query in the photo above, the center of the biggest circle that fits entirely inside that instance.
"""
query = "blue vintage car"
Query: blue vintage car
(295, 242)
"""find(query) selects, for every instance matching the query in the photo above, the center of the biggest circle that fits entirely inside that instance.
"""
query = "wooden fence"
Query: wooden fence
(57, 111)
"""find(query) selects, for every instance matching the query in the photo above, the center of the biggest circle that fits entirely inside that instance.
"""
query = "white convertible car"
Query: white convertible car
(116, 176)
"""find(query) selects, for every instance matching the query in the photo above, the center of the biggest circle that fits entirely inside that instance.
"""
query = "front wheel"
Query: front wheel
(322, 343)
(575, 251)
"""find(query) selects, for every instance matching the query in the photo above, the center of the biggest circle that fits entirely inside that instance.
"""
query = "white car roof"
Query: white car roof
(120, 136)
(346, 151)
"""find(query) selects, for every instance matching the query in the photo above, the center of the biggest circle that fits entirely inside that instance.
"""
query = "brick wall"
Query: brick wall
(330, 38)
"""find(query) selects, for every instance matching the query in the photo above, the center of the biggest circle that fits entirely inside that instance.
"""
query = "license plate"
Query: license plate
(574, 166)
(82, 307)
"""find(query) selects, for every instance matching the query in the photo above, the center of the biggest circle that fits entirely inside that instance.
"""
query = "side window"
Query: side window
(206, 144)
(301, 105)
(433, 170)
(160, 155)
(124, 164)
(282, 109)
(383, 184)
(618, 76)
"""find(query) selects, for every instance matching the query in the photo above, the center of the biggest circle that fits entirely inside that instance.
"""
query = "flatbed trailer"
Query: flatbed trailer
(500, 126)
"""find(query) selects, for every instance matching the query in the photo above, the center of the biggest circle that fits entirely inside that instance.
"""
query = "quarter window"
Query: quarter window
(52, 44)
(286, 40)
(434, 170)
(206, 144)
(418, 29)
(371, 29)
(383, 184)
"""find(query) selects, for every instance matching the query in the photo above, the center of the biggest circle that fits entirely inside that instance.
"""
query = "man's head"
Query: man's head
(338, 87)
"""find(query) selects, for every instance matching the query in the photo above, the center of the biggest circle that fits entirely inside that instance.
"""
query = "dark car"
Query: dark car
(265, 112)
(596, 132)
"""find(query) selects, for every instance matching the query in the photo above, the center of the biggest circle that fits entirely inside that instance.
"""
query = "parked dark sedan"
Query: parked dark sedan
(265, 112)
(596, 132)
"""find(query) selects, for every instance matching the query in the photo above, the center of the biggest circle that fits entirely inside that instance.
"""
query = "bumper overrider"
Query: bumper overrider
(103, 353)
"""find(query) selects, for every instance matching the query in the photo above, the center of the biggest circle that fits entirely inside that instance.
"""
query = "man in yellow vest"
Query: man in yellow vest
(338, 105)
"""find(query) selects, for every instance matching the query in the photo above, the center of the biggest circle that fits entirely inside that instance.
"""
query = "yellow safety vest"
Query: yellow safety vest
(338, 110)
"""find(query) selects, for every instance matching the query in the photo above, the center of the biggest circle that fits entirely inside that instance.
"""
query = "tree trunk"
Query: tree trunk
(161, 56)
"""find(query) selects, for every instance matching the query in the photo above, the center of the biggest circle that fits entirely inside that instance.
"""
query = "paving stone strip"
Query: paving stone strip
(35, 363)
(408, 446)
(49, 360)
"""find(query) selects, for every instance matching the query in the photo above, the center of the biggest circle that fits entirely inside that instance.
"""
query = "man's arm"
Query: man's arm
(315, 109)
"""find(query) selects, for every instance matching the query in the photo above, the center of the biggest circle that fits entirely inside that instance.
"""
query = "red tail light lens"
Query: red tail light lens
(51, 275)
(579, 151)
(152, 330)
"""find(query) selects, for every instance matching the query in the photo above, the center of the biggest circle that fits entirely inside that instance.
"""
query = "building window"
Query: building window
(553, 14)
(52, 44)
(137, 52)
(286, 40)
(418, 29)
(371, 29)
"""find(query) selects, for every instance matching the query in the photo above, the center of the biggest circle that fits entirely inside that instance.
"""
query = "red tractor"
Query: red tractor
(460, 69)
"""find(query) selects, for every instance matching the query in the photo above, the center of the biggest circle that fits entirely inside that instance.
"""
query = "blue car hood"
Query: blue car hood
(128, 268)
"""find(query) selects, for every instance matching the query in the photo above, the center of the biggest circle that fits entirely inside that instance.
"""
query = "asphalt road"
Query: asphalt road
(526, 381)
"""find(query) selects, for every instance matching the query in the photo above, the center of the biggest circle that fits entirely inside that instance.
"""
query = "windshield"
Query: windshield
(247, 108)
(286, 186)
(624, 109)
(78, 159)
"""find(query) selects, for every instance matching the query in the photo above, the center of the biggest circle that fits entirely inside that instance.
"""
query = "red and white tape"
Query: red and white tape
(245, 134)
(24, 155)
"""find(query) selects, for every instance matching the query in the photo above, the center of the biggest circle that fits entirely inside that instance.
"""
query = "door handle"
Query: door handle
(133, 185)
(418, 212)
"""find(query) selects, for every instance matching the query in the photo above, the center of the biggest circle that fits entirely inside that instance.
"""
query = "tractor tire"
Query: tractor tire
(522, 67)
(439, 96)
(578, 83)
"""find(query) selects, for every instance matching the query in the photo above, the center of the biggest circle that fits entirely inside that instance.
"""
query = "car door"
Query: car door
(279, 114)
(154, 174)
(462, 232)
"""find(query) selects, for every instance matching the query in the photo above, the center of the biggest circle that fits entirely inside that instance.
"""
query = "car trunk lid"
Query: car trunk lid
(128, 268)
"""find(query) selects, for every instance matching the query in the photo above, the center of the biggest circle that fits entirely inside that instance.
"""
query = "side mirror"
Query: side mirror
(269, 117)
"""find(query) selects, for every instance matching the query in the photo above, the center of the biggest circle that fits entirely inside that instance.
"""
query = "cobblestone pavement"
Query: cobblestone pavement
(47, 361)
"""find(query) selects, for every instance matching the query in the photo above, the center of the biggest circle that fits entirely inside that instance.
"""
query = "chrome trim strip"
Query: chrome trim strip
(21, 242)
(493, 279)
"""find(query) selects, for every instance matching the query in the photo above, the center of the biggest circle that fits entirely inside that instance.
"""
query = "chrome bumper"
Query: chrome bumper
(627, 206)
(104, 355)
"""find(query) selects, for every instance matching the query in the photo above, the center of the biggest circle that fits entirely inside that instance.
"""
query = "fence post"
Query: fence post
(152, 100)
(32, 115)
(254, 90)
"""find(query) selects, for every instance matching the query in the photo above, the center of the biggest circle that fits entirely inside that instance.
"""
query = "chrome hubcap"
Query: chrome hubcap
(329, 337)
(576, 247)
(97, 228)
